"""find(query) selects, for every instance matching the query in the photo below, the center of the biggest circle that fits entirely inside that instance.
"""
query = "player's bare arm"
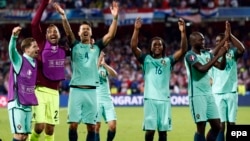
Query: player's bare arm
(240, 47)
(204, 68)
(110, 70)
(134, 40)
(102, 62)
(183, 45)
(222, 64)
(114, 8)
(222, 42)
(70, 35)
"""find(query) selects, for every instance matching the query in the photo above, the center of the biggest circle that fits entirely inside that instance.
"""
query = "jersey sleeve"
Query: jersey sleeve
(172, 60)
(74, 43)
(15, 57)
(234, 49)
(100, 44)
(142, 58)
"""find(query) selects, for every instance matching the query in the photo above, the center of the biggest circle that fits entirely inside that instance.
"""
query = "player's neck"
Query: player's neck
(197, 51)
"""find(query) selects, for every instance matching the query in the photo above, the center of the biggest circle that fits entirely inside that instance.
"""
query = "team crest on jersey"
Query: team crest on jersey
(163, 62)
(19, 127)
(229, 56)
(198, 116)
(207, 59)
(91, 46)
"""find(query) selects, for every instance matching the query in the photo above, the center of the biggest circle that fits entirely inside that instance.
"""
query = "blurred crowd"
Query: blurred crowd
(102, 4)
(119, 55)
(130, 76)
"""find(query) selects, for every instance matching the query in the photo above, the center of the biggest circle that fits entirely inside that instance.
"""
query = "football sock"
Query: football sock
(220, 136)
(73, 135)
(199, 137)
(34, 136)
(149, 137)
(90, 136)
(111, 135)
(162, 136)
(48, 137)
(211, 135)
(97, 137)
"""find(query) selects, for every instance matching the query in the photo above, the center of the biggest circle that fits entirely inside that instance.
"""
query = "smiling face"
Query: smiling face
(53, 34)
(157, 48)
(85, 33)
(29, 46)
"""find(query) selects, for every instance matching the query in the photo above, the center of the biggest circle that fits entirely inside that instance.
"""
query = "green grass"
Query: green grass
(129, 125)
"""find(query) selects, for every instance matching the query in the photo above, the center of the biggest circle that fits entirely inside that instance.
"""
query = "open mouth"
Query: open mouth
(85, 34)
(53, 38)
(157, 50)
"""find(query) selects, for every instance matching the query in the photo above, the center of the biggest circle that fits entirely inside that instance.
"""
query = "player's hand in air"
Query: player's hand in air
(114, 8)
(226, 45)
(228, 30)
(58, 8)
(138, 23)
(16, 30)
(102, 58)
(182, 25)
(223, 49)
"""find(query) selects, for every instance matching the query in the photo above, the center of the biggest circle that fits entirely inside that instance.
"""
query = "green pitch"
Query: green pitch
(129, 125)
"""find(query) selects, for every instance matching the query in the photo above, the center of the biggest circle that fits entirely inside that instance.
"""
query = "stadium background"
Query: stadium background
(159, 18)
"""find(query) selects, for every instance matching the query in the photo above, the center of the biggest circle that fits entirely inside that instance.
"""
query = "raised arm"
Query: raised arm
(240, 47)
(113, 27)
(15, 57)
(226, 38)
(110, 70)
(102, 62)
(183, 45)
(222, 63)
(134, 39)
(206, 67)
(35, 24)
(70, 35)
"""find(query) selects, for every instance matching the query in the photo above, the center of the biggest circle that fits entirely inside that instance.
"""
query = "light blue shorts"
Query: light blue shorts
(82, 106)
(106, 110)
(157, 115)
(203, 108)
(227, 106)
(20, 120)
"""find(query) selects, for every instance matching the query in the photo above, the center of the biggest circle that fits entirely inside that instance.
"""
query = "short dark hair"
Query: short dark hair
(193, 36)
(87, 23)
(51, 25)
(26, 43)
